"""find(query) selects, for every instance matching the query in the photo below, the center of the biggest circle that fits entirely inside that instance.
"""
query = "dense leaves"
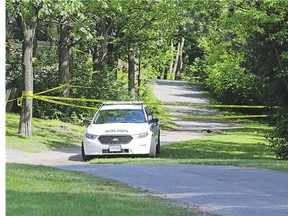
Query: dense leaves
(245, 58)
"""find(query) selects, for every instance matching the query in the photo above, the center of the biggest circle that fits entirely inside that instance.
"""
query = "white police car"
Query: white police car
(121, 128)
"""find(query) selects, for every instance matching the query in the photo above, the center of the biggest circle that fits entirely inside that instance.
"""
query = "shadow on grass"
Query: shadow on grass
(11, 134)
(58, 145)
(252, 130)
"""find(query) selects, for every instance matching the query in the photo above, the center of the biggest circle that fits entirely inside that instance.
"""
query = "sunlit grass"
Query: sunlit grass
(242, 143)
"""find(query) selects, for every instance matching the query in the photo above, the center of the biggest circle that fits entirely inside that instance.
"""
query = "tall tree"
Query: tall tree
(146, 26)
(26, 14)
(102, 29)
(102, 50)
(68, 15)
(119, 25)
(131, 72)
(179, 55)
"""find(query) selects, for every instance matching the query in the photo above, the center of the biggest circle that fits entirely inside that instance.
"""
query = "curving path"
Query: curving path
(181, 92)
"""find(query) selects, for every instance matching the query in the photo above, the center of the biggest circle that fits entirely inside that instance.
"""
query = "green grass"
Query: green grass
(47, 134)
(38, 190)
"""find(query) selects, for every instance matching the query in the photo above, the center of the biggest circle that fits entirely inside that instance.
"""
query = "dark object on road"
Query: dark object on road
(207, 130)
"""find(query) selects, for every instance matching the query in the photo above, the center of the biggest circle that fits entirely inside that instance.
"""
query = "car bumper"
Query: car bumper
(135, 147)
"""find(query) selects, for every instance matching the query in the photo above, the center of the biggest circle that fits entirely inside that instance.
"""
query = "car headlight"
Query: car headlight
(91, 136)
(142, 135)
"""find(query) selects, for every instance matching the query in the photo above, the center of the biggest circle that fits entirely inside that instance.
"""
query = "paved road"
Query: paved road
(228, 191)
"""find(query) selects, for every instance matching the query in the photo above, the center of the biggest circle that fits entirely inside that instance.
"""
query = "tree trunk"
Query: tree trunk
(52, 31)
(179, 59)
(35, 45)
(131, 72)
(102, 52)
(97, 65)
(112, 60)
(64, 56)
(139, 73)
(25, 125)
(172, 55)
(176, 60)
(165, 76)
(280, 65)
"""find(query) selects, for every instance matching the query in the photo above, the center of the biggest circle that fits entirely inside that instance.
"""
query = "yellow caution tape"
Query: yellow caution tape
(29, 94)
(59, 100)
(53, 89)
(214, 117)
(19, 101)
(25, 94)
(72, 99)
(87, 87)
(215, 105)
(63, 86)
(8, 101)
(63, 103)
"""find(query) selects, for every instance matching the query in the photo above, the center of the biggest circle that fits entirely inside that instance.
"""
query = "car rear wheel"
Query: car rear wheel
(84, 156)
(152, 152)
(158, 145)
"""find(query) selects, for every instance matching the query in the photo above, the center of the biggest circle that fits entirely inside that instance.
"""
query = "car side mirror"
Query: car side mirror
(87, 122)
(152, 119)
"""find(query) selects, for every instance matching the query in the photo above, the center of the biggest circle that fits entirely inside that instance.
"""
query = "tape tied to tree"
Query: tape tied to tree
(26, 95)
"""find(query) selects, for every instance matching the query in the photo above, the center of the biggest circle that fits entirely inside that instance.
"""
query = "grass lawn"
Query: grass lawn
(47, 134)
(39, 190)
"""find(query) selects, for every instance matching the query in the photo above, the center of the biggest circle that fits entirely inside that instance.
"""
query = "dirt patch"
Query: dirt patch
(63, 156)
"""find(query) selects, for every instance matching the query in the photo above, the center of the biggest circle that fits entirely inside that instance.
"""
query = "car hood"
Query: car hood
(118, 128)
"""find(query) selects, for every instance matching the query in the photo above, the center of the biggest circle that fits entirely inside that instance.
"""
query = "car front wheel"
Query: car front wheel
(84, 156)
(152, 152)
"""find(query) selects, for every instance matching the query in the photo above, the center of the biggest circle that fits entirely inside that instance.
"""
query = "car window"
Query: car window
(119, 116)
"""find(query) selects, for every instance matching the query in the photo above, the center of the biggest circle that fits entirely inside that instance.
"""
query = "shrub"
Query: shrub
(278, 138)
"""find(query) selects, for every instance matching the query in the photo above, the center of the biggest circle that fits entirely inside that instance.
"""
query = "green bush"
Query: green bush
(278, 138)
(230, 83)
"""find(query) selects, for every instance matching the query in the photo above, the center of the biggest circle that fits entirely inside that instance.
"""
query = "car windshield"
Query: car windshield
(120, 116)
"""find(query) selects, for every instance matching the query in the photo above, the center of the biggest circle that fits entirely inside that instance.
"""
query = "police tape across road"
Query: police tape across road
(60, 101)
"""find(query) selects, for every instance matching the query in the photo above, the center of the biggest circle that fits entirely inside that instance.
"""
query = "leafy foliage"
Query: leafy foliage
(278, 138)
(244, 57)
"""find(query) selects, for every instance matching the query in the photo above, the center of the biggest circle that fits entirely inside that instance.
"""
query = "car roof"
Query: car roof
(122, 105)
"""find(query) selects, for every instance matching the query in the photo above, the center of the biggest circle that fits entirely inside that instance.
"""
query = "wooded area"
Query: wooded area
(237, 48)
